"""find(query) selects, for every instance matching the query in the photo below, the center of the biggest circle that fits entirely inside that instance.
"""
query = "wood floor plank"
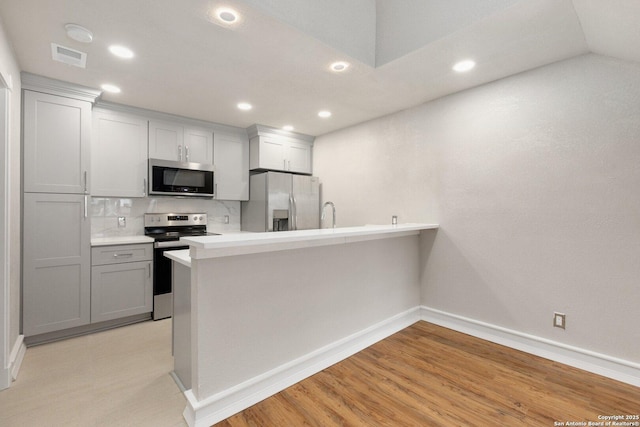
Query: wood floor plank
(426, 375)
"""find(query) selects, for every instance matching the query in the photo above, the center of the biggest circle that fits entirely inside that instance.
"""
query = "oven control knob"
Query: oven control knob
(158, 218)
(200, 218)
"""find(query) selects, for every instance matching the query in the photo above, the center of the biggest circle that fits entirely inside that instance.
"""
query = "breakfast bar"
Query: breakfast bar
(258, 312)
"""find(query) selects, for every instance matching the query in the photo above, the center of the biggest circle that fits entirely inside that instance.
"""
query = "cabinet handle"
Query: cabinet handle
(86, 189)
(123, 255)
(149, 270)
(144, 187)
(215, 190)
(180, 152)
(86, 208)
(186, 153)
(284, 164)
(289, 168)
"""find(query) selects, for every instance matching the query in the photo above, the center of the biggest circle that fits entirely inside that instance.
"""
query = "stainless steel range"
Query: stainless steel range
(166, 229)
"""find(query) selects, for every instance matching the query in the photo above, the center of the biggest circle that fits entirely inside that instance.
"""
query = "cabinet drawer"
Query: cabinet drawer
(101, 255)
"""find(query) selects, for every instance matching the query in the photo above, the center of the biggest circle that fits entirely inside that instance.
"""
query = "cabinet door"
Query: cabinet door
(268, 153)
(120, 290)
(299, 157)
(56, 262)
(198, 145)
(119, 155)
(231, 161)
(166, 141)
(56, 134)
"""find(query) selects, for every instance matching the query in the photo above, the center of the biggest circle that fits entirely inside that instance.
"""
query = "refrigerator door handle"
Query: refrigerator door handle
(295, 213)
(292, 212)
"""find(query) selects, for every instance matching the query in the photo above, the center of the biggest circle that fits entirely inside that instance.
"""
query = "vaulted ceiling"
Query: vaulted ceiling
(277, 55)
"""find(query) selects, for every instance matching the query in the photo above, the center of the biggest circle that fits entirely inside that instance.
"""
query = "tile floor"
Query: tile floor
(114, 378)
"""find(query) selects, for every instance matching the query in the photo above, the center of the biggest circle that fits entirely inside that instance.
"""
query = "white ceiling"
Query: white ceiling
(277, 59)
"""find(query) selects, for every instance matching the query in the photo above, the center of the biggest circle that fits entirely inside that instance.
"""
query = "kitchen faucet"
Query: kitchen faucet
(333, 207)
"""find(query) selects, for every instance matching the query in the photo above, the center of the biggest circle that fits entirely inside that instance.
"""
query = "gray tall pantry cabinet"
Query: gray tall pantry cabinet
(56, 227)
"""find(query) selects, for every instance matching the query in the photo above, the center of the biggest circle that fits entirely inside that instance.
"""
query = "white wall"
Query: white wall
(10, 283)
(534, 180)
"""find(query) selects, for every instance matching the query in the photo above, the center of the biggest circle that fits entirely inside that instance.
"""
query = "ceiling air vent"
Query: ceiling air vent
(68, 55)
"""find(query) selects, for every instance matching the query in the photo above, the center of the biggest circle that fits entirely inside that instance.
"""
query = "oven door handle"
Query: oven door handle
(169, 244)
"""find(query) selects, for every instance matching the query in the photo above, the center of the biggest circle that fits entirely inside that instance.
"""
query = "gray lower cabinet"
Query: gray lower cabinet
(121, 281)
(56, 262)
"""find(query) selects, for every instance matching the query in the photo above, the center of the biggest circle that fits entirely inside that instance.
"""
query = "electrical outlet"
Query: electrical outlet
(559, 320)
(122, 222)
(226, 219)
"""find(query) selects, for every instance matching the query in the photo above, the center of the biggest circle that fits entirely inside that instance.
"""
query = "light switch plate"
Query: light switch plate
(122, 222)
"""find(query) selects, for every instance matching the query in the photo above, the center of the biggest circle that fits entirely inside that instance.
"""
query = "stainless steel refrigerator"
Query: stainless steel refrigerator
(281, 201)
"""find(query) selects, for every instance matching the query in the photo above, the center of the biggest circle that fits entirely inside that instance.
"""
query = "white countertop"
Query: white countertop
(246, 243)
(120, 240)
(180, 255)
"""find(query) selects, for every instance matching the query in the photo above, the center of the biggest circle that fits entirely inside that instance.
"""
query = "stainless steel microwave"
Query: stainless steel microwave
(170, 178)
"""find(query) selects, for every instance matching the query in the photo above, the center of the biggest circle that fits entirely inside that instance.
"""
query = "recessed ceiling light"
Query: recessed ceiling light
(79, 33)
(324, 114)
(288, 128)
(245, 106)
(226, 15)
(121, 51)
(463, 66)
(110, 88)
(339, 66)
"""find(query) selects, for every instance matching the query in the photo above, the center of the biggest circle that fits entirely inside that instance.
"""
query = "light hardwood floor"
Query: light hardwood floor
(426, 375)
(114, 378)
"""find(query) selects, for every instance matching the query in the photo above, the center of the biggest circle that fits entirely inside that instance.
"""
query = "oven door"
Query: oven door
(180, 179)
(163, 279)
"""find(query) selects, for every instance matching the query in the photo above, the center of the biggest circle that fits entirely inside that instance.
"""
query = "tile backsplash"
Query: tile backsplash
(105, 213)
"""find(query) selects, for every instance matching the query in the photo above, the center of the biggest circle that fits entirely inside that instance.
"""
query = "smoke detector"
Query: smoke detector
(68, 56)
(79, 33)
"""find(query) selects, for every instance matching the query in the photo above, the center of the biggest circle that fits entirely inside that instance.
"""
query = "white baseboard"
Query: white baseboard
(9, 373)
(16, 356)
(601, 364)
(222, 405)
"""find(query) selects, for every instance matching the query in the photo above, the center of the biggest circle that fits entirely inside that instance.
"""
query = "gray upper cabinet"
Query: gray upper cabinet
(56, 135)
(119, 155)
(299, 157)
(198, 145)
(231, 162)
(56, 262)
(273, 149)
(179, 142)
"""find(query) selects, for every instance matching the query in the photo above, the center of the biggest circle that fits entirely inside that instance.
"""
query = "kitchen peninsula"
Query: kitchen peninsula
(258, 312)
